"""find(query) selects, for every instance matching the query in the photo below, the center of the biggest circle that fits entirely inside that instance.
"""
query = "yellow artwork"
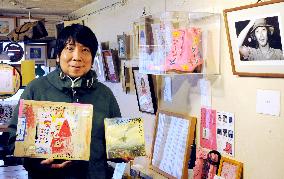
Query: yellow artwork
(124, 137)
(54, 130)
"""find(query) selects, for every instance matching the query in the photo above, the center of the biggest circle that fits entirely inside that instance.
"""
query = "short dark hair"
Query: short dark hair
(77, 33)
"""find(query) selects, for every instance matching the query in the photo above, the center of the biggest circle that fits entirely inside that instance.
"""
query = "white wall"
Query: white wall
(259, 141)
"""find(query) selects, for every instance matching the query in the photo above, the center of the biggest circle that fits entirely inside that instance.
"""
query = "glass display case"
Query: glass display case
(179, 42)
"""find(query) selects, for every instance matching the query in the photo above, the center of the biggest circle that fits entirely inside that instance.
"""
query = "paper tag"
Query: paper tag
(206, 133)
(268, 102)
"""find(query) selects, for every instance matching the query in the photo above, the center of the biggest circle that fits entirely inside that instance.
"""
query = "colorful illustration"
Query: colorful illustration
(35, 53)
(54, 130)
(124, 137)
(208, 129)
(185, 54)
(144, 92)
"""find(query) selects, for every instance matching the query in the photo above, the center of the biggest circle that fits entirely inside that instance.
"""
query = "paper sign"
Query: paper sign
(225, 133)
(205, 91)
(268, 102)
(168, 89)
(119, 170)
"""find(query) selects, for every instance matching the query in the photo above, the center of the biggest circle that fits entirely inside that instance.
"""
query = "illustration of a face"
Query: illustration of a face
(261, 35)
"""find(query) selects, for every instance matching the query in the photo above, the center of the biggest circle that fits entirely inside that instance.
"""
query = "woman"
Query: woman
(262, 33)
(73, 81)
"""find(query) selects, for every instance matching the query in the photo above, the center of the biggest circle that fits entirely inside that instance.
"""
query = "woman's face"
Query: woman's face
(75, 59)
(261, 36)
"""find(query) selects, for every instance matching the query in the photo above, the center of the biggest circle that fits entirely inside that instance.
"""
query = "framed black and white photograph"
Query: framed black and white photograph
(255, 36)
(145, 91)
(36, 52)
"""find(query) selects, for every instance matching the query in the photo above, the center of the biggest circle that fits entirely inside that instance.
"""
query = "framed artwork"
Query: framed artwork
(99, 66)
(111, 65)
(171, 148)
(15, 50)
(123, 46)
(22, 20)
(36, 52)
(54, 130)
(144, 91)
(7, 24)
(10, 79)
(124, 137)
(255, 36)
(230, 168)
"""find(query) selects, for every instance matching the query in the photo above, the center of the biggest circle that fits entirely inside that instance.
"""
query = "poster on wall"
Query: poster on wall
(54, 130)
(225, 133)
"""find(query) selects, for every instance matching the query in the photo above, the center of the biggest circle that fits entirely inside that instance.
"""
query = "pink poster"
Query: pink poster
(208, 129)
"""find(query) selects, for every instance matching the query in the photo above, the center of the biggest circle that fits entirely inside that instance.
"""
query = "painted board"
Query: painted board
(54, 130)
(124, 137)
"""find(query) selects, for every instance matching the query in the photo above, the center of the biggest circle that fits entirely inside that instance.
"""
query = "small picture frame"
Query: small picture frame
(111, 65)
(36, 52)
(123, 46)
(251, 53)
(171, 146)
(22, 20)
(7, 24)
(230, 168)
(144, 91)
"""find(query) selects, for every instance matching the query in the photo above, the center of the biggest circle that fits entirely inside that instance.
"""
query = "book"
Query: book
(55, 130)
(124, 137)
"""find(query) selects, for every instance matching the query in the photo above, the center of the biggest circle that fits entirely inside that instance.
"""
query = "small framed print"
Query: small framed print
(111, 65)
(36, 52)
(7, 24)
(123, 46)
(145, 91)
(230, 168)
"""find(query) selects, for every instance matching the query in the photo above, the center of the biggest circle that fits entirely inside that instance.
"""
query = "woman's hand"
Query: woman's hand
(55, 165)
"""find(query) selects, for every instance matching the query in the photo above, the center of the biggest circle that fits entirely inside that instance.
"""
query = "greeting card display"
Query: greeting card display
(54, 130)
(124, 137)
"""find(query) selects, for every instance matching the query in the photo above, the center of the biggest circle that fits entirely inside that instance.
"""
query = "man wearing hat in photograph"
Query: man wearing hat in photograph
(261, 32)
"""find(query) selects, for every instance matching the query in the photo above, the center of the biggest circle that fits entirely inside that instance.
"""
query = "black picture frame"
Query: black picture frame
(146, 97)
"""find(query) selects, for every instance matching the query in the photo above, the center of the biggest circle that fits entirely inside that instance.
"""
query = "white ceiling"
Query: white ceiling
(49, 7)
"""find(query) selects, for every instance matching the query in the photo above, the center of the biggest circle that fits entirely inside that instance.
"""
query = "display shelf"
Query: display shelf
(179, 43)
